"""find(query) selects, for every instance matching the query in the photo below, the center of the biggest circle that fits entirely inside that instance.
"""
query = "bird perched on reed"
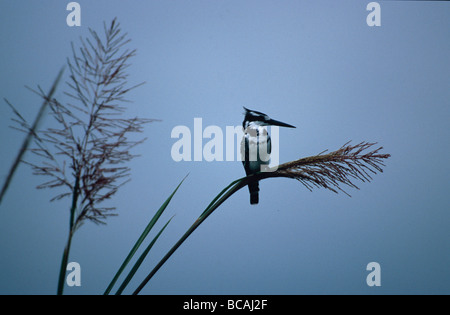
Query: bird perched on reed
(256, 146)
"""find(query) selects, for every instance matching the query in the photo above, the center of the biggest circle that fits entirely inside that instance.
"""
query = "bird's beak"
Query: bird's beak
(274, 122)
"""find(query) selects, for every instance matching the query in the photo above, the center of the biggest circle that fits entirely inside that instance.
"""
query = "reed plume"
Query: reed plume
(332, 170)
(85, 151)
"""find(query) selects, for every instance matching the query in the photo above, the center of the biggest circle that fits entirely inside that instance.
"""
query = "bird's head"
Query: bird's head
(261, 119)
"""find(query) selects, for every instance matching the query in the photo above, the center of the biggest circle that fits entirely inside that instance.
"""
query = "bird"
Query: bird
(256, 146)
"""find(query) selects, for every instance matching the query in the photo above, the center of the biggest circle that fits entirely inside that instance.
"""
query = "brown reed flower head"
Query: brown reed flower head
(329, 171)
(86, 149)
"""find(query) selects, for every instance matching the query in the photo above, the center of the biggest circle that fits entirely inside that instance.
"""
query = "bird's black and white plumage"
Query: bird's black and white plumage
(256, 146)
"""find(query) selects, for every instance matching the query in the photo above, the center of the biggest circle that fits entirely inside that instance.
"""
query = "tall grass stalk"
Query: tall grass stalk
(84, 152)
(138, 243)
(141, 260)
(31, 132)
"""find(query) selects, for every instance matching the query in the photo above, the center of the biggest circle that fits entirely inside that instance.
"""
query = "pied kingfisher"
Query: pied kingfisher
(256, 146)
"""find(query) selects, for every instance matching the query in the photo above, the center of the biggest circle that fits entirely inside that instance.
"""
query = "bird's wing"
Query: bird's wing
(245, 154)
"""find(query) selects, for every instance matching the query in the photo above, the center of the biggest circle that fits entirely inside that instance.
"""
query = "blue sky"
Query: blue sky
(314, 64)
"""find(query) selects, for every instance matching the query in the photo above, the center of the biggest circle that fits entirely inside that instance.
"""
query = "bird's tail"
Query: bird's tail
(253, 187)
